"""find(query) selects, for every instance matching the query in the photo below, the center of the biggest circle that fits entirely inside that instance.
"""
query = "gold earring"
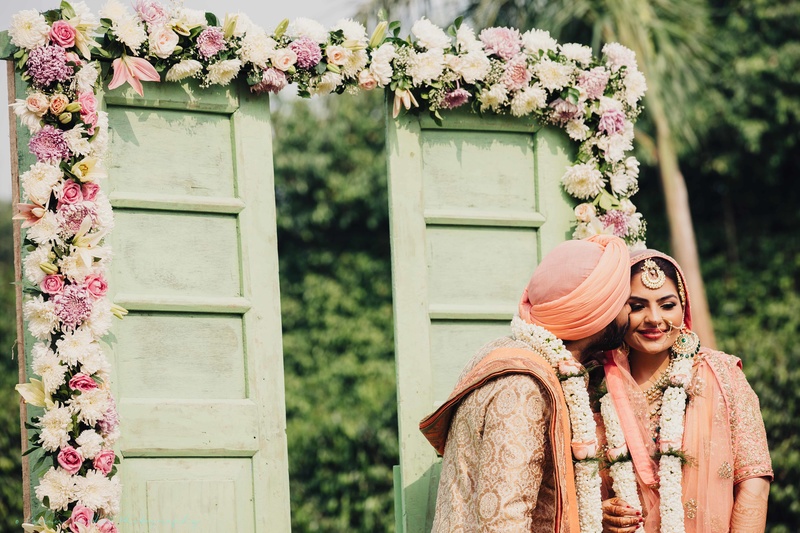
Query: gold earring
(686, 345)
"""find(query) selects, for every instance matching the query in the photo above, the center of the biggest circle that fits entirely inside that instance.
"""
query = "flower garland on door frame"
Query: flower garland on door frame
(500, 70)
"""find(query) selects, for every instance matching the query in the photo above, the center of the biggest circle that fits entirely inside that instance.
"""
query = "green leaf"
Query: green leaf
(30, 450)
(211, 18)
(458, 22)
(67, 10)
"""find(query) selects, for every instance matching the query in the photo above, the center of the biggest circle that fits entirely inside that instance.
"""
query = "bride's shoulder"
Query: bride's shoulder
(717, 359)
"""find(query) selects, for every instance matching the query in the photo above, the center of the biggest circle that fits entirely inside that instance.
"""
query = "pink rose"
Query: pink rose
(81, 517)
(71, 193)
(63, 34)
(104, 461)
(88, 102)
(96, 285)
(72, 57)
(616, 453)
(52, 284)
(37, 103)
(366, 80)
(106, 526)
(70, 460)
(89, 190)
(58, 103)
(584, 450)
(569, 367)
(82, 382)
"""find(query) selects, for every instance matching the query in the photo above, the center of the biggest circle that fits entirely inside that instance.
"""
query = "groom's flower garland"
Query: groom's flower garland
(670, 439)
(67, 216)
(584, 439)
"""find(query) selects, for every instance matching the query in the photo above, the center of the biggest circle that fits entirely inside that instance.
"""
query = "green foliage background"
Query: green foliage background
(336, 280)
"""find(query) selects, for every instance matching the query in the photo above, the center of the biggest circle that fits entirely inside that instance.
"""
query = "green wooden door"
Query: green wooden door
(474, 204)
(198, 372)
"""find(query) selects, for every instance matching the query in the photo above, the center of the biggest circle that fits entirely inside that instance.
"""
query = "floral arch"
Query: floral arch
(67, 215)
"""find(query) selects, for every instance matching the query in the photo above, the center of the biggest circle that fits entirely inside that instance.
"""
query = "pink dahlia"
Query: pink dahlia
(71, 216)
(612, 121)
(151, 12)
(517, 74)
(49, 146)
(211, 42)
(308, 52)
(73, 306)
(272, 80)
(455, 98)
(564, 111)
(48, 64)
(110, 421)
(502, 42)
(593, 82)
(617, 220)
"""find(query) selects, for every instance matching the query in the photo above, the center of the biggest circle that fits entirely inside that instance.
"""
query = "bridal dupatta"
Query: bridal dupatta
(724, 436)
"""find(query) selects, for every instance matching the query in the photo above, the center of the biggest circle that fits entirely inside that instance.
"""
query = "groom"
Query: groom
(504, 431)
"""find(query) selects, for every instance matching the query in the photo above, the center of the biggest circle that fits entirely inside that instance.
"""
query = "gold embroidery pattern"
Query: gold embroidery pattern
(690, 507)
(725, 470)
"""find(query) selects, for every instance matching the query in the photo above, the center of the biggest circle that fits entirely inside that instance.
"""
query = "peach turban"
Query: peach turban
(579, 287)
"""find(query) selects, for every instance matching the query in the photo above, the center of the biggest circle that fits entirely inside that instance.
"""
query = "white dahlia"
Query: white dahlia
(29, 29)
(303, 27)
(41, 317)
(429, 35)
(222, 72)
(58, 487)
(583, 181)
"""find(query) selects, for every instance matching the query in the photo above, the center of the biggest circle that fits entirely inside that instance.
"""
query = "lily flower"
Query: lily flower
(39, 527)
(30, 214)
(133, 70)
(33, 393)
(89, 169)
(404, 98)
(84, 245)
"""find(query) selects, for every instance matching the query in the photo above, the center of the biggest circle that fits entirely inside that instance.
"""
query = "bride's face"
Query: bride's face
(655, 318)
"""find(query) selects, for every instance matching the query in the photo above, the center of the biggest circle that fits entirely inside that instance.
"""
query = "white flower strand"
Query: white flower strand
(622, 474)
(587, 480)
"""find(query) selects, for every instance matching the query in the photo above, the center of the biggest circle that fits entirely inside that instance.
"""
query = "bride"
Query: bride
(658, 379)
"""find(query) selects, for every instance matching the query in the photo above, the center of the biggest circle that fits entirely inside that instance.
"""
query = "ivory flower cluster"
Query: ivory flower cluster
(584, 439)
(622, 473)
(66, 217)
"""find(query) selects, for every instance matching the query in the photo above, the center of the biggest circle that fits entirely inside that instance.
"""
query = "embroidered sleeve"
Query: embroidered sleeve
(512, 455)
(750, 451)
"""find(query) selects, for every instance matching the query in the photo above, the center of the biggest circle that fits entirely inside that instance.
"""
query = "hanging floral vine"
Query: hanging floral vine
(67, 217)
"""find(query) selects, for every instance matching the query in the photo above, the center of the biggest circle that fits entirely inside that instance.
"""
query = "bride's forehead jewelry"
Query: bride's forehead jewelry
(652, 275)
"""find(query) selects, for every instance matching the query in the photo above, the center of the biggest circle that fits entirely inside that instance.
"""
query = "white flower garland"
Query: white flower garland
(671, 425)
(584, 438)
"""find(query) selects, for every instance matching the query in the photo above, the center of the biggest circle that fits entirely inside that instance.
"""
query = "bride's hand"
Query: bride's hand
(619, 517)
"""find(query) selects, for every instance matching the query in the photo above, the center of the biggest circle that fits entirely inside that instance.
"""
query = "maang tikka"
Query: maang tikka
(652, 275)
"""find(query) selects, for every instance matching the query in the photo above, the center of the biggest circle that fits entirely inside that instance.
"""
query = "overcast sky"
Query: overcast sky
(265, 13)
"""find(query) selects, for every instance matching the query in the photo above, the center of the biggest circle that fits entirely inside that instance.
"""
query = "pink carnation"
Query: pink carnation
(110, 421)
(47, 65)
(272, 80)
(63, 34)
(455, 98)
(308, 52)
(210, 42)
(502, 42)
(517, 74)
(82, 382)
(49, 146)
(593, 82)
(617, 220)
(73, 306)
(52, 284)
(70, 460)
(612, 121)
(104, 461)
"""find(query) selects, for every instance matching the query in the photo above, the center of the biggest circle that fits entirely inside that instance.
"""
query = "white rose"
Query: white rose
(284, 59)
(163, 42)
(366, 80)
(337, 55)
(37, 103)
(585, 212)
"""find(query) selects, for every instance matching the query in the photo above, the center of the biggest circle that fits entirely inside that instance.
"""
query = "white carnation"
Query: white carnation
(425, 67)
(130, 32)
(93, 360)
(535, 40)
(494, 97)
(38, 182)
(58, 486)
(619, 56)
(55, 425)
(429, 35)
(31, 263)
(41, 317)
(473, 66)
(528, 100)
(578, 53)
(222, 72)
(47, 365)
(257, 48)
(620, 182)
(104, 215)
(303, 27)
(355, 63)
(93, 490)
(552, 75)
(90, 443)
(187, 68)
(113, 496)
(29, 29)
(583, 181)
(352, 30)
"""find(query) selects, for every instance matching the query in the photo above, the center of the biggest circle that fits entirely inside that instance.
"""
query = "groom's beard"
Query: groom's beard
(611, 338)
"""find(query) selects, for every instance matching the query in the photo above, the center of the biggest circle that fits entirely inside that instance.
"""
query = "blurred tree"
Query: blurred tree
(333, 238)
(10, 460)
